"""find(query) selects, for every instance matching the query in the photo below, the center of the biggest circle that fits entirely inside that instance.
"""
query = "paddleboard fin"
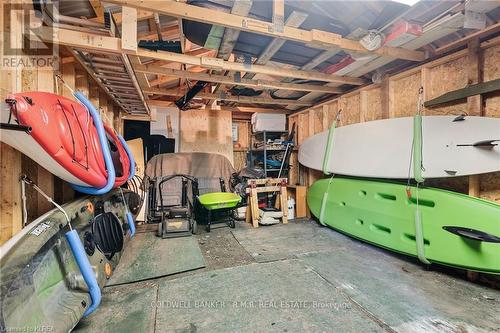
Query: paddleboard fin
(473, 234)
(482, 143)
(459, 118)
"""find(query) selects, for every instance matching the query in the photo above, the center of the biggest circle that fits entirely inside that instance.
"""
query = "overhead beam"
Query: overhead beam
(224, 97)
(245, 109)
(492, 29)
(472, 90)
(92, 42)
(215, 63)
(237, 109)
(230, 80)
(141, 15)
(241, 8)
(278, 15)
(314, 38)
(295, 19)
(129, 28)
(168, 33)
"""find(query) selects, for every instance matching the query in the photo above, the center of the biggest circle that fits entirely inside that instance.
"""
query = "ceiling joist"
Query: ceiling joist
(314, 38)
(113, 45)
(229, 98)
(230, 80)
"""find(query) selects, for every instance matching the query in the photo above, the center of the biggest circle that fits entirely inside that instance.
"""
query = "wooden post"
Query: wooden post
(254, 207)
(386, 98)
(284, 204)
(10, 159)
(45, 180)
(10, 192)
(363, 105)
(474, 108)
(129, 28)
(474, 103)
(278, 15)
(117, 122)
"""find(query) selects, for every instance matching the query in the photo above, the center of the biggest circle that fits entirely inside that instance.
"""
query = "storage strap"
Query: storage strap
(328, 150)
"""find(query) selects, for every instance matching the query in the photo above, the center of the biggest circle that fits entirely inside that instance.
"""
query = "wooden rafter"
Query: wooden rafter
(113, 45)
(224, 97)
(295, 19)
(314, 38)
(230, 80)
(492, 29)
(197, 52)
(168, 33)
(236, 109)
(241, 8)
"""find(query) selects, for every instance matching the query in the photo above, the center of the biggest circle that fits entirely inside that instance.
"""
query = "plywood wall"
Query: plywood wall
(241, 146)
(397, 96)
(206, 131)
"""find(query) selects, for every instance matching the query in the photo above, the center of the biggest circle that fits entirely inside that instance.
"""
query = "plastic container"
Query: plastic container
(268, 122)
(219, 200)
(291, 208)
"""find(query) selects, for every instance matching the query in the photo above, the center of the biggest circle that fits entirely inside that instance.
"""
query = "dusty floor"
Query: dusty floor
(298, 277)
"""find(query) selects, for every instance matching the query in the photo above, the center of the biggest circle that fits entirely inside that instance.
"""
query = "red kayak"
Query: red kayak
(60, 136)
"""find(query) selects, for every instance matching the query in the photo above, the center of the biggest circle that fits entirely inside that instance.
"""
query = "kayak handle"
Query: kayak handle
(473, 234)
(86, 269)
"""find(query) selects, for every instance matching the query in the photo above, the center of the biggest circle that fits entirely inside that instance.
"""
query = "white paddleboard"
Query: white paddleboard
(383, 148)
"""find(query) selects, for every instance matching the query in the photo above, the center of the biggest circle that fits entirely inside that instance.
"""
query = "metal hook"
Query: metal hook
(58, 76)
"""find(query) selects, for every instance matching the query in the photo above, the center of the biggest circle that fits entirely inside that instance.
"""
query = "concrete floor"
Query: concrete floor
(299, 277)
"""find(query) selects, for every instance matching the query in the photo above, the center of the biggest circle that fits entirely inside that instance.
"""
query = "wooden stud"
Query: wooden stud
(385, 97)
(278, 15)
(241, 8)
(284, 203)
(474, 103)
(10, 205)
(129, 29)
(298, 192)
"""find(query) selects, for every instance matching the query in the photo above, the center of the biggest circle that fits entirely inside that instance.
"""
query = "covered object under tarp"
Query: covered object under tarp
(208, 168)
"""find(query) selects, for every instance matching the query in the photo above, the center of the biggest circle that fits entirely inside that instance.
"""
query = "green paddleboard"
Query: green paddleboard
(458, 230)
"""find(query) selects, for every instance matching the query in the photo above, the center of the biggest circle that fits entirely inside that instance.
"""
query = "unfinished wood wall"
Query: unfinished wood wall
(206, 131)
(397, 96)
(242, 145)
(14, 164)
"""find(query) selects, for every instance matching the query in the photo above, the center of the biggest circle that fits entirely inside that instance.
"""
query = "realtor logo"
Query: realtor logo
(20, 45)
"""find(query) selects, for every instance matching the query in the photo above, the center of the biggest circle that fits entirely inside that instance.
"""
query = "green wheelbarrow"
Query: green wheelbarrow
(220, 202)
